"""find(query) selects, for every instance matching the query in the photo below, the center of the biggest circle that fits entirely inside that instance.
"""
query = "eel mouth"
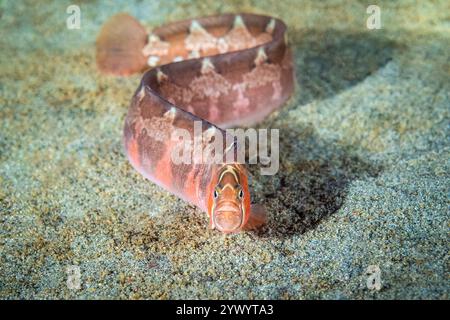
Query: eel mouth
(228, 217)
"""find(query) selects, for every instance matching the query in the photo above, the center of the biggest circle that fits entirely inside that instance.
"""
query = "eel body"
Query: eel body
(206, 74)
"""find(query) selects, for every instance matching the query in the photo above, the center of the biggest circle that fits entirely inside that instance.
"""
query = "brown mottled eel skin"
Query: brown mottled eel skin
(225, 71)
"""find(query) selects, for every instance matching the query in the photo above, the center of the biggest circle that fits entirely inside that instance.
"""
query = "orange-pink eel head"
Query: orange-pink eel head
(229, 199)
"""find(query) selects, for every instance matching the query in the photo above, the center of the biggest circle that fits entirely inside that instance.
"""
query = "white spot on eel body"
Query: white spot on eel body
(178, 59)
(222, 45)
(207, 66)
(194, 54)
(196, 27)
(155, 46)
(152, 61)
(160, 76)
(153, 38)
(238, 22)
(141, 94)
(261, 56)
(271, 26)
(198, 38)
(170, 114)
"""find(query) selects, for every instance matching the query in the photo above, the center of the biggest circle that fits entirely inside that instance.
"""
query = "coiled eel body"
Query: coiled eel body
(220, 72)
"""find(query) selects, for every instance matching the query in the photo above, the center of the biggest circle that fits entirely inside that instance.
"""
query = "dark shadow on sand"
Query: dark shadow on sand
(311, 183)
(330, 61)
(314, 174)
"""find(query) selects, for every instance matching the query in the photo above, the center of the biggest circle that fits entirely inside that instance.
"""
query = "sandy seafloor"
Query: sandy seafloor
(363, 180)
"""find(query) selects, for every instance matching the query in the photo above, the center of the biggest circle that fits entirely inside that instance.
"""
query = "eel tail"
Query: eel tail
(119, 46)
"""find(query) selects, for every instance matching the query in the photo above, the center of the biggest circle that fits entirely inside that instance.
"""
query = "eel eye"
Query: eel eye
(216, 194)
(241, 194)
